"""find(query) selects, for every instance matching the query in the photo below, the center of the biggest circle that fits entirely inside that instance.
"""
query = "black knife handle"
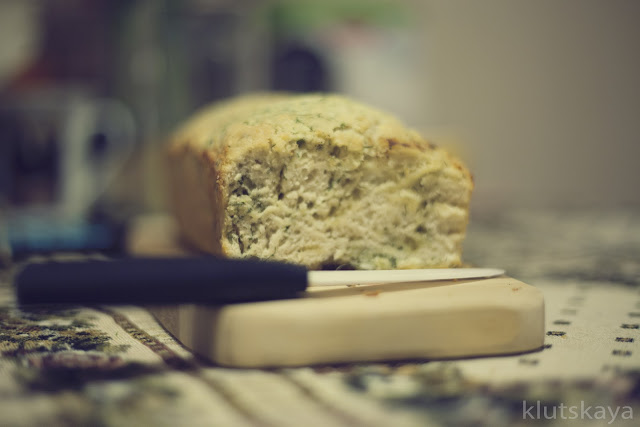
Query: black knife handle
(205, 280)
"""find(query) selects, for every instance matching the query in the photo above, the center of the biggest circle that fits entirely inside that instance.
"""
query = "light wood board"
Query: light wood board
(429, 320)
(366, 323)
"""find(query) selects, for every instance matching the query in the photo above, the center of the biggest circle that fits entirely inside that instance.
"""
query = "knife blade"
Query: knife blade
(206, 280)
(376, 277)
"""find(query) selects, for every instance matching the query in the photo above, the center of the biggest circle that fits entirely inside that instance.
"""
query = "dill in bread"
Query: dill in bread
(318, 180)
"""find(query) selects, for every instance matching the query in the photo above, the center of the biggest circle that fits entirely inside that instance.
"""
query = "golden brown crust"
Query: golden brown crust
(197, 210)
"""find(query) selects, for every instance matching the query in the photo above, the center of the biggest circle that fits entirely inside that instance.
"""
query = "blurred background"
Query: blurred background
(541, 98)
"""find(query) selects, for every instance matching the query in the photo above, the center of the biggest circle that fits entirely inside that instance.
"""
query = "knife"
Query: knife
(206, 280)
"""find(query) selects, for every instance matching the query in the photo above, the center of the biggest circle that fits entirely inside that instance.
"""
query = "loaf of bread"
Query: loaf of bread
(318, 180)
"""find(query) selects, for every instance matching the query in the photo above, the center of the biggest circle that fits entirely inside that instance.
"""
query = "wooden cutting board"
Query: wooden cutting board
(429, 320)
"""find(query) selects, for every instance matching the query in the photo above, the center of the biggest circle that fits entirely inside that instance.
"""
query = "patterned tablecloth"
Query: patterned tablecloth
(115, 366)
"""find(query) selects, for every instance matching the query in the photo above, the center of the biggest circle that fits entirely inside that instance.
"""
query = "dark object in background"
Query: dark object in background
(297, 68)
(76, 46)
(29, 158)
(61, 148)
(33, 234)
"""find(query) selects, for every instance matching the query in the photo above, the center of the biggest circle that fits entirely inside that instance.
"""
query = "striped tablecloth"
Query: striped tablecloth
(115, 366)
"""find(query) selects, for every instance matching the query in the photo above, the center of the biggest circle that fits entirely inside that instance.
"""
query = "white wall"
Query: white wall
(544, 94)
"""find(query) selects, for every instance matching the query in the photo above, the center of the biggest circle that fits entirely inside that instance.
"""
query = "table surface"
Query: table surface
(115, 366)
